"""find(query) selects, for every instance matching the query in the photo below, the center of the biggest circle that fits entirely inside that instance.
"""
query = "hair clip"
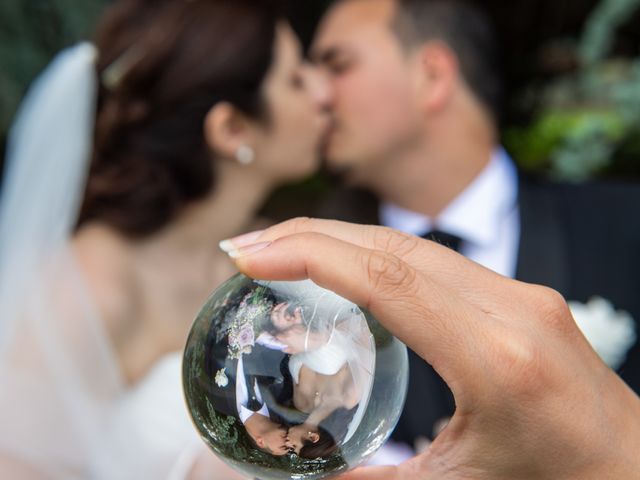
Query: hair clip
(113, 74)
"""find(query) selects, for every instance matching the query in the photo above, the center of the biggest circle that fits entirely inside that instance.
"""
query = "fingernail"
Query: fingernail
(239, 241)
(248, 250)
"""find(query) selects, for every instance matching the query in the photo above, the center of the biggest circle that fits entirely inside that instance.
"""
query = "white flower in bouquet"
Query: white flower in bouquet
(221, 378)
(610, 332)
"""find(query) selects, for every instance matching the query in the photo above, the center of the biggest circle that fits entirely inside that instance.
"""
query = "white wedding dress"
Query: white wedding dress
(326, 360)
(149, 433)
(65, 410)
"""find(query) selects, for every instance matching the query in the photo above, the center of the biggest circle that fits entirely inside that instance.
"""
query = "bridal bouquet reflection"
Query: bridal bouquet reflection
(279, 375)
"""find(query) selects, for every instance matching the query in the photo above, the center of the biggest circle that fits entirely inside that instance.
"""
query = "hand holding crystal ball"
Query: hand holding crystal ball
(289, 380)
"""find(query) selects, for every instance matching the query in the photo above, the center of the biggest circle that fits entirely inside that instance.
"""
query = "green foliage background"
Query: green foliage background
(586, 121)
(580, 122)
(31, 32)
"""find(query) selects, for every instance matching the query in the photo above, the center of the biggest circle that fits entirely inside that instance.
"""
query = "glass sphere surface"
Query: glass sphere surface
(289, 380)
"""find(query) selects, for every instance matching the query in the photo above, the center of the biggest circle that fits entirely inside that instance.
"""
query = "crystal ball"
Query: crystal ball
(289, 380)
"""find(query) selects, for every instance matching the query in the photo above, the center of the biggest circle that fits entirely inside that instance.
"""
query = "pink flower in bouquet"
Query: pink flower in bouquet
(246, 337)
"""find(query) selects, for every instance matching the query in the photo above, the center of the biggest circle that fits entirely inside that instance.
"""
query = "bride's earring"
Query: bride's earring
(245, 155)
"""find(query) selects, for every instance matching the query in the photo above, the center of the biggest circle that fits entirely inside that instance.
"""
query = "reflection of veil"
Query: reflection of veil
(346, 335)
(57, 372)
(362, 367)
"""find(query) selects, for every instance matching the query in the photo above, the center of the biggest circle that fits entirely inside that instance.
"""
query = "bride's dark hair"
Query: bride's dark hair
(163, 64)
(332, 431)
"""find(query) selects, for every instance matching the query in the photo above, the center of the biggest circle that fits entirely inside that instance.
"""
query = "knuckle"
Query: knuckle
(394, 242)
(552, 309)
(388, 274)
(522, 361)
(298, 225)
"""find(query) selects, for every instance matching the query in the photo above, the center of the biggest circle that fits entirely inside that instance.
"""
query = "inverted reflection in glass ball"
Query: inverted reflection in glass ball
(289, 380)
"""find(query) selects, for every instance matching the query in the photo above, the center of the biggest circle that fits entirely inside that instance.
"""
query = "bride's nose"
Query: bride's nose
(319, 86)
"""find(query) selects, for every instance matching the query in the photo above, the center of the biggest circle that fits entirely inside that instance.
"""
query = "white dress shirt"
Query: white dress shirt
(242, 395)
(485, 216)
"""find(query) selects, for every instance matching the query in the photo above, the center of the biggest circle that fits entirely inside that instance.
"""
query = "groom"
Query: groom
(255, 389)
(252, 409)
(415, 95)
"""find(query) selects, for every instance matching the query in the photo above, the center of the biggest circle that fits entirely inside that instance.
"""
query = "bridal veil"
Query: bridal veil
(57, 372)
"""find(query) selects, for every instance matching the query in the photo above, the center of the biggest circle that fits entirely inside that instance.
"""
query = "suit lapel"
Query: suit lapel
(543, 250)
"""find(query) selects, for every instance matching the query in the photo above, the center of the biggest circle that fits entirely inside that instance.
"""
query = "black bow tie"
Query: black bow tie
(443, 238)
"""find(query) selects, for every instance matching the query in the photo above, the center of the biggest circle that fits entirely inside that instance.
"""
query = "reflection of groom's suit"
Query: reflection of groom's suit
(580, 240)
(262, 368)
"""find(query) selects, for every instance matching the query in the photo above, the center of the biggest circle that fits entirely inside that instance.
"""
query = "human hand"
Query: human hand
(533, 399)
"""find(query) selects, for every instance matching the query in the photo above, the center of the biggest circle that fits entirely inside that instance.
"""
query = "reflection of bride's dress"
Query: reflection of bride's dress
(326, 360)
(353, 347)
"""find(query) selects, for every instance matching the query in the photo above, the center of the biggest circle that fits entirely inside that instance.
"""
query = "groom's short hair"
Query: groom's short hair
(264, 449)
(464, 28)
(255, 445)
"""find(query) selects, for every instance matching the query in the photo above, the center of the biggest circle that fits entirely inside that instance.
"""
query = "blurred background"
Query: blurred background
(572, 71)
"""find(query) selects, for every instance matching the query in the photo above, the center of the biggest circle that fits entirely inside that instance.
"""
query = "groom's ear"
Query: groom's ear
(260, 442)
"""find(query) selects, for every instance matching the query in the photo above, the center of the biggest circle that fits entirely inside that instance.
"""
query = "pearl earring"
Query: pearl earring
(245, 155)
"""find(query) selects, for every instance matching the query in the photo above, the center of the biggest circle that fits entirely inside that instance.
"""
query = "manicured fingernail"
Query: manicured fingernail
(248, 250)
(239, 241)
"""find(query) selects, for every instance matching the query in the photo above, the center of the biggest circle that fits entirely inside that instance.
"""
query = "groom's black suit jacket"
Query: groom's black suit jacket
(580, 240)
(267, 366)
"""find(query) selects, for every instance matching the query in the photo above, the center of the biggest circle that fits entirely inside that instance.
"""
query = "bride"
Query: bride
(332, 363)
(129, 162)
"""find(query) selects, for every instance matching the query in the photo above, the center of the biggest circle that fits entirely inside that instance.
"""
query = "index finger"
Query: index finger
(440, 263)
(434, 321)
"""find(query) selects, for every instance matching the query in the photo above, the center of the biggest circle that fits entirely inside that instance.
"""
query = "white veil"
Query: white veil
(57, 372)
